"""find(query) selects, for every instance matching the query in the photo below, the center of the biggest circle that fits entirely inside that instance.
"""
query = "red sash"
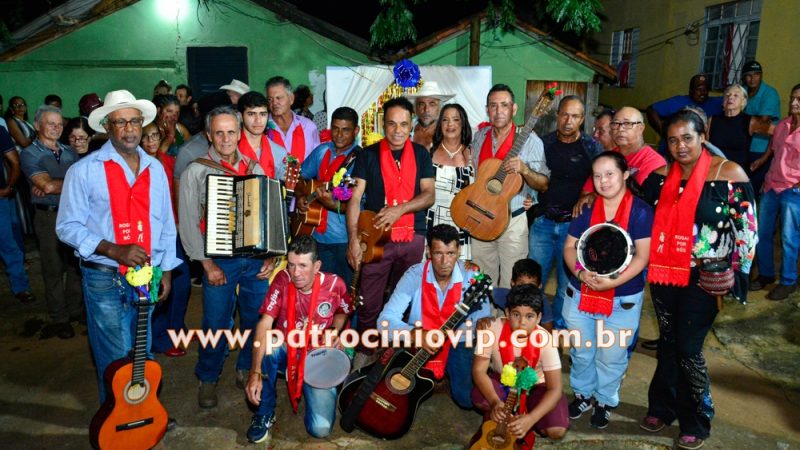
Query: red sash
(130, 207)
(266, 160)
(602, 302)
(327, 170)
(486, 148)
(433, 317)
(296, 364)
(531, 354)
(240, 170)
(298, 149)
(398, 184)
(672, 240)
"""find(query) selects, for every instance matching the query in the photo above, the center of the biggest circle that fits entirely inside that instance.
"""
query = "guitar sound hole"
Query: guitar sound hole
(497, 440)
(398, 383)
(135, 393)
(494, 186)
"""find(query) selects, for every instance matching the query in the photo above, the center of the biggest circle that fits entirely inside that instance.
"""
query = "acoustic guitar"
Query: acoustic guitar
(132, 417)
(303, 223)
(372, 239)
(386, 408)
(482, 207)
(495, 435)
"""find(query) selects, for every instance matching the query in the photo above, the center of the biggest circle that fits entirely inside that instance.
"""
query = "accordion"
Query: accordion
(245, 215)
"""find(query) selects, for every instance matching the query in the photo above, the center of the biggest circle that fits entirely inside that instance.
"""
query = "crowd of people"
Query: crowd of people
(124, 185)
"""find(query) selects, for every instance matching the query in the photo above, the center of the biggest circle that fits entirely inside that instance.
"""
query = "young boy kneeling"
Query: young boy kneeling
(546, 403)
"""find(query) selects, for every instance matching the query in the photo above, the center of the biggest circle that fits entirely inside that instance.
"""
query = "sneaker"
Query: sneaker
(579, 406)
(689, 442)
(259, 428)
(241, 378)
(25, 297)
(761, 282)
(197, 282)
(600, 416)
(782, 291)
(649, 345)
(652, 424)
(207, 395)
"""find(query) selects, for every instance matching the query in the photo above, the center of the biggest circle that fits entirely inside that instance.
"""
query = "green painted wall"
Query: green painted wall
(137, 46)
(515, 58)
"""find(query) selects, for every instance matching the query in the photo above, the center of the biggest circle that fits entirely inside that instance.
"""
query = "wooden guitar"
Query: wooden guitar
(372, 239)
(303, 223)
(482, 207)
(132, 417)
(387, 411)
(495, 435)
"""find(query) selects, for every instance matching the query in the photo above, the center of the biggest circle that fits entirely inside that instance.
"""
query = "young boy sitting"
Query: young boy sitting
(526, 271)
(546, 403)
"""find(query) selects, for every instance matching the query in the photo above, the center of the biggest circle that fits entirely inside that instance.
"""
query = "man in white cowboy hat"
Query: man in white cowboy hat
(235, 89)
(427, 103)
(115, 210)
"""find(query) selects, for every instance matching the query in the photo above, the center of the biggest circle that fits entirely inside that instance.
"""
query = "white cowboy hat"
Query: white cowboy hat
(116, 100)
(236, 86)
(430, 89)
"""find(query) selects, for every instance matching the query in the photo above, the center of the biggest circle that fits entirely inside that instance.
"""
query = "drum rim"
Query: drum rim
(582, 243)
(340, 355)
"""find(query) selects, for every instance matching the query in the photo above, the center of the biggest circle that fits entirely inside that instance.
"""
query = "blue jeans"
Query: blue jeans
(170, 314)
(546, 247)
(12, 254)
(219, 303)
(334, 260)
(110, 318)
(785, 205)
(459, 371)
(320, 413)
(597, 372)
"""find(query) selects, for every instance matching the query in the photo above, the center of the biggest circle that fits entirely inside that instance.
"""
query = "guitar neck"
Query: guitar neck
(140, 343)
(521, 138)
(508, 409)
(354, 287)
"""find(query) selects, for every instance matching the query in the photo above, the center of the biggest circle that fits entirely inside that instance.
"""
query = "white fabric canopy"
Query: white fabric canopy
(359, 87)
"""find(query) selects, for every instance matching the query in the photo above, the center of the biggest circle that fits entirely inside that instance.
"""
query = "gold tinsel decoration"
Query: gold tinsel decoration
(372, 119)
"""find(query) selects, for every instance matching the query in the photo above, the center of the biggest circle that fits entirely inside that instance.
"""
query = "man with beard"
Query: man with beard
(427, 103)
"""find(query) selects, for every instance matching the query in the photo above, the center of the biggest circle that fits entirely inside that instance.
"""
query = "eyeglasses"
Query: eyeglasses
(78, 139)
(18, 105)
(136, 122)
(154, 136)
(623, 125)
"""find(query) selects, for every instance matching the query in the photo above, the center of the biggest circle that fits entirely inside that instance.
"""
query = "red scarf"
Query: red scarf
(240, 170)
(486, 148)
(327, 170)
(266, 161)
(602, 302)
(672, 240)
(298, 149)
(531, 354)
(296, 364)
(433, 317)
(398, 183)
(130, 207)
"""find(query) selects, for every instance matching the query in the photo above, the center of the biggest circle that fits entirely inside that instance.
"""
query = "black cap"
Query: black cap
(750, 67)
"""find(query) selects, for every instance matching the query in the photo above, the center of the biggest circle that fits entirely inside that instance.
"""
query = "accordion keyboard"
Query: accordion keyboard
(221, 213)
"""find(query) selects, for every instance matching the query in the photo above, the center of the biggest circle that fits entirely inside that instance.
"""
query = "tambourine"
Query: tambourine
(605, 248)
(326, 367)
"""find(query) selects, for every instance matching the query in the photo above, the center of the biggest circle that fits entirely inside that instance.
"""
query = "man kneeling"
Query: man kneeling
(546, 403)
(299, 298)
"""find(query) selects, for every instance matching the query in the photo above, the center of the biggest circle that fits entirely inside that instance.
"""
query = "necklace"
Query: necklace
(452, 154)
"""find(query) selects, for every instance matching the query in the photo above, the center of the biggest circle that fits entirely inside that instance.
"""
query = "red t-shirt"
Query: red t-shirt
(333, 299)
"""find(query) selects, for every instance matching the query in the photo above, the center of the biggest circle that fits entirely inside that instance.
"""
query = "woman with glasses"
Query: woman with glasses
(20, 130)
(703, 242)
(77, 135)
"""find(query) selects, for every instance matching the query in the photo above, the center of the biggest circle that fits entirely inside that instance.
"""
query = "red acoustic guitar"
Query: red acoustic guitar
(482, 207)
(132, 417)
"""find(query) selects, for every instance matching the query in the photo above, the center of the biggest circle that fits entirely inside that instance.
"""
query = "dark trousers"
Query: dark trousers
(60, 272)
(170, 313)
(397, 258)
(334, 260)
(757, 177)
(680, 388)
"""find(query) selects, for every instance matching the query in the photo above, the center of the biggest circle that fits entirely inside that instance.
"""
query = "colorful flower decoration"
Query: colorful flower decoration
(406, 74)
(289, 160)
(523, 380)
(509, 375)
(372, 138)
(325, 136)
(342, 184)
(146, 280)
(553, 89)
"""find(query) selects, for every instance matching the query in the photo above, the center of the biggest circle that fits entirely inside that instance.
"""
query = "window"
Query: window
(624, 50)
(730, 38)
(211, 67)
